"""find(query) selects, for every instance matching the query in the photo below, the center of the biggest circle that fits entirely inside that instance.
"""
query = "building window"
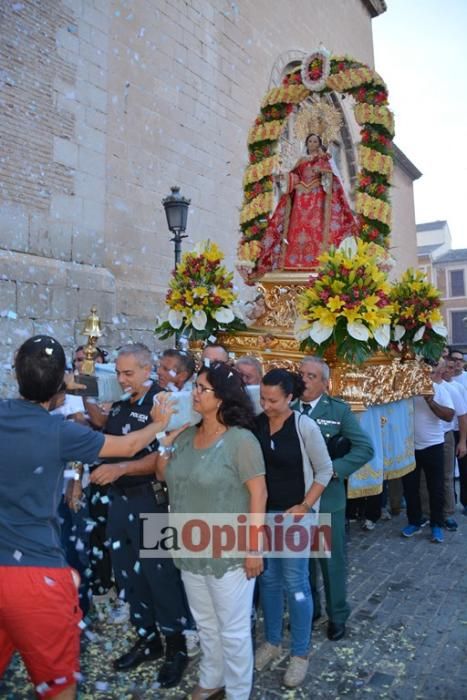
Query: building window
(457, 283)
(459, 328)
(426, 272)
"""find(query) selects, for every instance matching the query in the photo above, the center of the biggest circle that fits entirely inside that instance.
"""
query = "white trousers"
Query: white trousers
(221, 608)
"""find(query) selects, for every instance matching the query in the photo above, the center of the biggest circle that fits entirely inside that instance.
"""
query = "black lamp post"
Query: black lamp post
(176, 211)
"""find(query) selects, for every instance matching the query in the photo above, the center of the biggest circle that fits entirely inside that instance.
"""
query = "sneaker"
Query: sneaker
(385, 514)
(410, 530)
(105, 598)
(450, 524)
(368, 525)
(437, 535)
(296, 672)
(265, 654)
(192, 643)
(120, 613)
(424, 522)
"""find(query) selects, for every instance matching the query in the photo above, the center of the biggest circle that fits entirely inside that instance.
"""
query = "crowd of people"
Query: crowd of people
(70, 536)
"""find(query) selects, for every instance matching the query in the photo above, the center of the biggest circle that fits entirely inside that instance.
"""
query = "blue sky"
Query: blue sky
(421, 52)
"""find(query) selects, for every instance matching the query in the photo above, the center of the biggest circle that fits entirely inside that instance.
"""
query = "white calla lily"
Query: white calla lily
(440, 329)
(382, 335)
(399, 332)
(301, 329)
(175, 318)
(319, 332)
(199, 320)
(224, 315)
(419, 334)
(199, 247)
(349, 246)
(358, 330)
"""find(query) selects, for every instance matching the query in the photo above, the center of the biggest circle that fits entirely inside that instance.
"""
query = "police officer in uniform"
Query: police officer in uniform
(152, 587)
(334, 418)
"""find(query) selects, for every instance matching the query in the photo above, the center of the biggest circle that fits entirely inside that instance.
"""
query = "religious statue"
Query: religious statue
(312, 214)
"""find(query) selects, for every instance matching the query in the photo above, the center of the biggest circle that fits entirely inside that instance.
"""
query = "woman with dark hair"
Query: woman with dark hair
(312, 214)
(217, 467)
(298, 468)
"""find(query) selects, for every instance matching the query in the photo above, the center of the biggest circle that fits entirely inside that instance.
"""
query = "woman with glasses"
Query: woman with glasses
(217, 467)
(298, 468)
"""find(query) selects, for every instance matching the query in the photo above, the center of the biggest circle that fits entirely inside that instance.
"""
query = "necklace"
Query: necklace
(204, 437)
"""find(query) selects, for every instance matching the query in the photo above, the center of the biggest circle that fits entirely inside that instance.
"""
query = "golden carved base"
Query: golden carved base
(380, 380)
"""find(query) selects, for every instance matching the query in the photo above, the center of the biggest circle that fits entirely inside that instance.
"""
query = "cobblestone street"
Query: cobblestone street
(406, 637)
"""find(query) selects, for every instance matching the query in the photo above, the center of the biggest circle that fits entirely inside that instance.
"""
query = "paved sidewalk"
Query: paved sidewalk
(407, 636)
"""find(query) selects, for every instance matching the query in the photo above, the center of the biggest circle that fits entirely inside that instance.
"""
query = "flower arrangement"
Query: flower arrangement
(347, 303)
(417, 320)
(315, 70)
(322, 73)
(200, 296)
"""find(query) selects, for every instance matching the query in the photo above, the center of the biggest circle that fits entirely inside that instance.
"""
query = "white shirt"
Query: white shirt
(428, 428)
(461, 378)
(72, 404)
(459, 401)
(312, 404)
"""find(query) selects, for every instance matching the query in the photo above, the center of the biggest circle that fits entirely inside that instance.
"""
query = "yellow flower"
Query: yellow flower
(351, 315)
(213, 252)
(200, 292)
(335, 303)
(371, 317)
(337, 286)
(323, 314)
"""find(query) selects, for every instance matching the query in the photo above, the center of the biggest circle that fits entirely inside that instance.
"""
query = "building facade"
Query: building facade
(446, 268)
(105, 104)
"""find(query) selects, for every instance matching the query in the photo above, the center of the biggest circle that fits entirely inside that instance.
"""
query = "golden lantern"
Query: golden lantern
(92, 328)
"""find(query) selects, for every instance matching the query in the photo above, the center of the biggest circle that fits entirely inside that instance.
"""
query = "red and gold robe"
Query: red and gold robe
(308, 218)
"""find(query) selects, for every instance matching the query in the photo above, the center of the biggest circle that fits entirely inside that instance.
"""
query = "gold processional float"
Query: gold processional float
(305, 104)
(381, 379)
(311, 214)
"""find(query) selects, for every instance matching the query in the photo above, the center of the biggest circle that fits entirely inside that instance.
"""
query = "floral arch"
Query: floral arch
(321, 73)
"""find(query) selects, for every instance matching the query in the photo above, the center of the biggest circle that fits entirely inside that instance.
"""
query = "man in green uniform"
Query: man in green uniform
(334, 418)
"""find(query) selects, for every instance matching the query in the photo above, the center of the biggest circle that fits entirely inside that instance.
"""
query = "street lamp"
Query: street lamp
(176, 211)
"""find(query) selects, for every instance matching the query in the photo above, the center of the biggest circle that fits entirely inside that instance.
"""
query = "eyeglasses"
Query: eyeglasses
(202, 389)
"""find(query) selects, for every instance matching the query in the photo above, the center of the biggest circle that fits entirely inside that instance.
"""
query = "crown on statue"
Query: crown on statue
(320, 118)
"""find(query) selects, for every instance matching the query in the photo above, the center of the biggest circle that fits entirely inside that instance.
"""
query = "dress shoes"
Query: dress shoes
(336, 630)
(176, 661)
(143, 650)
(199, 693)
